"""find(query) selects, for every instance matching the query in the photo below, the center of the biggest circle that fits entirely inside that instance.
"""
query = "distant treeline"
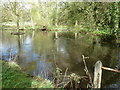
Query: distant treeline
(79, 15)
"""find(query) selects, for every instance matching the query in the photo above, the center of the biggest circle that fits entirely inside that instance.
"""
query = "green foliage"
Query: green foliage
(101, 32)
(12, 77)
(63, 80)
(41, 84)
(57, 28)
(75, 77)
(29, 27)
(81, 16)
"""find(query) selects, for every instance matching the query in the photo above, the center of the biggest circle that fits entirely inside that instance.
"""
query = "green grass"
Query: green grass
(57, 27)
(13, 77)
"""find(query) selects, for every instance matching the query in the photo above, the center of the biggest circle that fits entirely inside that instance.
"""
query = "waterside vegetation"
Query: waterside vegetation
(14, 77)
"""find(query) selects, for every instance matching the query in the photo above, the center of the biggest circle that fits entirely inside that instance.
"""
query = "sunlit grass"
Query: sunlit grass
(13, 77)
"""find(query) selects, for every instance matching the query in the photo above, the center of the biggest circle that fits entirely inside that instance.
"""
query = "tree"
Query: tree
(16, 9)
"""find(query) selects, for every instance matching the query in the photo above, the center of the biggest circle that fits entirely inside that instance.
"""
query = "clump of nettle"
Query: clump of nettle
(64, 80)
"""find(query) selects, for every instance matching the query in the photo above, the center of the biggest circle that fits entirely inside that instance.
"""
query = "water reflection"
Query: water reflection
(9, 46)
(39, 52)
(44, 69)
(31, 61)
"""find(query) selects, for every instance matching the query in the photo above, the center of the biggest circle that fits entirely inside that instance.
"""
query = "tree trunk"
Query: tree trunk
(33, 26)
(18, 23)
(56, 20)
(76, 23)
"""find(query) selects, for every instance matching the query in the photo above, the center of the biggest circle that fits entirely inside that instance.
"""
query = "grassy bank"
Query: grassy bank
(64, 28)
(13, 77)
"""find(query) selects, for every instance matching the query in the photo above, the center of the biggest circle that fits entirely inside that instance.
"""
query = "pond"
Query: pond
(38, 53)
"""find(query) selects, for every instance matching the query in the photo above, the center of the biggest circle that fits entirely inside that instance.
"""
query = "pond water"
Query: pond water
(38, 53)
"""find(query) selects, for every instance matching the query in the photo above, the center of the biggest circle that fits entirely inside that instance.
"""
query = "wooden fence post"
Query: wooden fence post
(97, 75)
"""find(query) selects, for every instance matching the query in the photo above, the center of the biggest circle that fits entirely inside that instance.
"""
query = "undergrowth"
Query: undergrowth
(13, 77)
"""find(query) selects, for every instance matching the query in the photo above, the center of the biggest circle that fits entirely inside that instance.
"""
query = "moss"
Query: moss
(13, 77)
